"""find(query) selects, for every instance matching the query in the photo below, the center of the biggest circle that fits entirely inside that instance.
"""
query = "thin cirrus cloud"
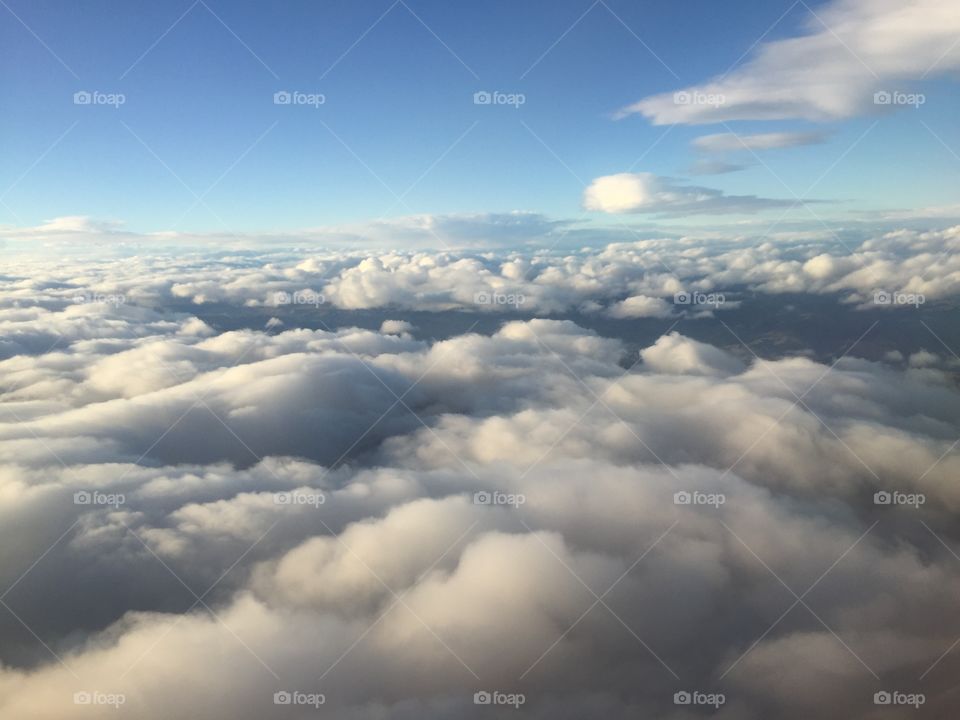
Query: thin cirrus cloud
(732, 142)
(851, 50)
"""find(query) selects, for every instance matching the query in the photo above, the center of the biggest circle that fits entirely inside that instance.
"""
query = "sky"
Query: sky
(398, 132)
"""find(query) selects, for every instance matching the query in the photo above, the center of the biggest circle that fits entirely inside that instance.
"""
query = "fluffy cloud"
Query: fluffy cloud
(400, 521)
(852, 49)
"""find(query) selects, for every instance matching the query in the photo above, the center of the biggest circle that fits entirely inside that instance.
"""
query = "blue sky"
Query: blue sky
(399, 114)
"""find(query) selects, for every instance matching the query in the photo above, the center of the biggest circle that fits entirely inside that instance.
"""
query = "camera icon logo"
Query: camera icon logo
(481, 298)
(681, 298)
(882, 97)
(82, 698)
(282, 697)
(482, 97)
(82, 97)
(681, 98)
(682, 698)
(682, 498)
(282, 298)
(482, 698)
(282, 97)
(882, 498)
(882, 698)
(482, 498)
(82, 497)
(882, 297)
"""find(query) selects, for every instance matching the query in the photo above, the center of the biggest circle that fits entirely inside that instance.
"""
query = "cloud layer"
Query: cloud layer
(196, 519)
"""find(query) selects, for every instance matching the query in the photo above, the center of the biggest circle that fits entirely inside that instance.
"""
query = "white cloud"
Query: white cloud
(732, 142)
(851, 49)
(649, 193)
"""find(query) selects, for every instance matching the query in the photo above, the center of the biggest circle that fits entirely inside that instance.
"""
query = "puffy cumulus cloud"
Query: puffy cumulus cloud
(193, 519)
(674, 353)
(852, 49)
(44, 298)
(396, 327)
(649, 193)
(638, 306)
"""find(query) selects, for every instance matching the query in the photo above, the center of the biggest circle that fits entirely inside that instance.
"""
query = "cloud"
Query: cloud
(640, 306)
(649, 193)
(850, 50)
(731, 142)
(464, 548)
(716, 167)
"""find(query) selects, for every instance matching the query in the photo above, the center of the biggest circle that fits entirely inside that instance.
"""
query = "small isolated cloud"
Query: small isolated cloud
(396, 327)
(641, 306)
(851, 50)
(649, 193)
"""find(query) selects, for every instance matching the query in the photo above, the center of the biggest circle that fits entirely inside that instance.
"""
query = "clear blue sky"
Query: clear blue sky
(202, 96)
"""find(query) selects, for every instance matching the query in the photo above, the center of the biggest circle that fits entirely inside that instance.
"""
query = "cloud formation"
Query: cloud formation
(398, 521)
(850, 50)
